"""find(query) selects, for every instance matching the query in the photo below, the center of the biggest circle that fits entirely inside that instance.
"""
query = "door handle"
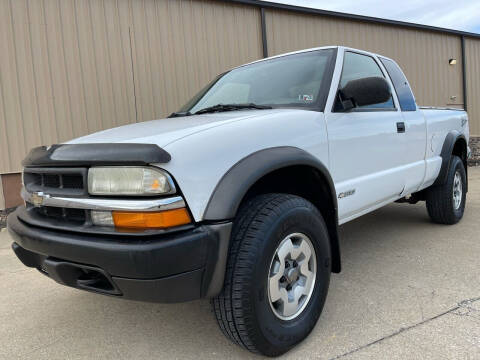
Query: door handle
(400, 127)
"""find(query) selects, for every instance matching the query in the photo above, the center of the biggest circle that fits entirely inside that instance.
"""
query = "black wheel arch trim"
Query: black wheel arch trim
(234, 185)
(446, 155)
(96, 154)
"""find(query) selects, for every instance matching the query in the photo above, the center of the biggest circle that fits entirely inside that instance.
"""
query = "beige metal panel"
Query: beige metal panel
(12, 119)
(5, 156)
(43, 80)
(119, 61)
(73, 79)
(25, 71)
(58, 69)
(472, 57)
(69, 68)
(91, 87)
(2, 195)
(141, 49)
(65, 71)
(423, 55)
(179, 45)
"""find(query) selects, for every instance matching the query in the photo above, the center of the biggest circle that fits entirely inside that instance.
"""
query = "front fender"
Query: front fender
(233, 186)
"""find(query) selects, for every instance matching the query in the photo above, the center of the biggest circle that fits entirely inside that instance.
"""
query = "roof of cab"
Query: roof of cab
(314, 49)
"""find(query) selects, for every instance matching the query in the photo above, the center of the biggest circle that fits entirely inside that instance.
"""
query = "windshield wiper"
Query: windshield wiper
(179, 114)
(231, 107)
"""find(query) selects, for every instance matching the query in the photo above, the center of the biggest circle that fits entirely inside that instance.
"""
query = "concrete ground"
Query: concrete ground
(410, 289)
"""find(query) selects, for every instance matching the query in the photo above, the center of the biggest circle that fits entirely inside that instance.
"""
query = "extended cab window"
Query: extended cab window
(358, 66)
(404, 93)
(298, 81)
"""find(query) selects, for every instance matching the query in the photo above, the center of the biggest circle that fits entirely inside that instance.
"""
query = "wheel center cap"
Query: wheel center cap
(292, 275)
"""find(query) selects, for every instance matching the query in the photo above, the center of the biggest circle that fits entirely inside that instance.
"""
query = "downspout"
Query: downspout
(464, 73)
(264, 33)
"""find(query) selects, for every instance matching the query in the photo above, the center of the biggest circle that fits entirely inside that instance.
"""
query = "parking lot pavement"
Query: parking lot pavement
(410, 289)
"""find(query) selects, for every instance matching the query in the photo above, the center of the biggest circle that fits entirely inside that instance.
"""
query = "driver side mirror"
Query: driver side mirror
(365, 91)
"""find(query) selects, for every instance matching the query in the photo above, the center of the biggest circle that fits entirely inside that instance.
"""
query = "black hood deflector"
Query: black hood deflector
(96, 154)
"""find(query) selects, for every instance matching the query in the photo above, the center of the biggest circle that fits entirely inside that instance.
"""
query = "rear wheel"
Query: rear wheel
(446, 203)
(277, 277)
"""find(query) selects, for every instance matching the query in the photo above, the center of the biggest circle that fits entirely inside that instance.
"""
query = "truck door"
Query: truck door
(366, 145)
(415, 138)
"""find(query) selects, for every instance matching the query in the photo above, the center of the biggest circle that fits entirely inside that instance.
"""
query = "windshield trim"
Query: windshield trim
(327, 83)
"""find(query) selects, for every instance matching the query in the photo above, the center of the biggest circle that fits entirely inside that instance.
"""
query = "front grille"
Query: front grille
(76, 216)
(52, 181)
(56, 181)
(61, 182)
(72, 181)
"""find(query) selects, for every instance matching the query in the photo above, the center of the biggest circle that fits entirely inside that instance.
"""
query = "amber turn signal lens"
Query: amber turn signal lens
(151, 220)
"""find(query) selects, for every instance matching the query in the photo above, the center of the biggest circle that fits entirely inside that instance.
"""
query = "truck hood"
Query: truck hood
(165, 131)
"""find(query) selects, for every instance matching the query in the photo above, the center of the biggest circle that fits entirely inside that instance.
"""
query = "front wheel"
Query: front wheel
(446, 203)
(277, 276)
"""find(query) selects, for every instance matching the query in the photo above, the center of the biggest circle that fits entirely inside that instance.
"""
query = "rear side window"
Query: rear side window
(404, 93)
(358, 66)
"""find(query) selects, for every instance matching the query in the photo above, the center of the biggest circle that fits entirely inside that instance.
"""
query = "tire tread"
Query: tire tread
(228, 306)
(439, 198)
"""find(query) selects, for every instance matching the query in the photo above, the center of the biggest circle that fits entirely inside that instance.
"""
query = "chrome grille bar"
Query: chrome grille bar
(41, 199)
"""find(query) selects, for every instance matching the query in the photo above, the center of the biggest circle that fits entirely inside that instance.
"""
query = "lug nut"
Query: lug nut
(295, 264)
(283, 279)
(287, 264)
(289, 287)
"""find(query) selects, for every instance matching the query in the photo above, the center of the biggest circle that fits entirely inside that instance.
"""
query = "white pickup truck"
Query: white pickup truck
(238, 196)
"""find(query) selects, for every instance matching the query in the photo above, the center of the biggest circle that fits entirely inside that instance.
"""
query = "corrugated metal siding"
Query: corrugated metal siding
(423, 55)
(196, 40)
(57, 79)
(69, 68)
(472, 57)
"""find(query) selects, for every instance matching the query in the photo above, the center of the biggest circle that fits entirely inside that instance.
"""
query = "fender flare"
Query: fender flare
(446, 155)
(233, 186)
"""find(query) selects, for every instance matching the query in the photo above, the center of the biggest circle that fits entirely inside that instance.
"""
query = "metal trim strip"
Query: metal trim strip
(40, 199)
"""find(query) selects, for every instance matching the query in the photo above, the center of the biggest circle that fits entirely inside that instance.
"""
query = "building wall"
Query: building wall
(70, 68)
(472, 57)
(2, 197)
(423, 55)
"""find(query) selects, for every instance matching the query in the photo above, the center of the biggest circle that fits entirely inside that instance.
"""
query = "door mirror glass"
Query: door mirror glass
(363, 92)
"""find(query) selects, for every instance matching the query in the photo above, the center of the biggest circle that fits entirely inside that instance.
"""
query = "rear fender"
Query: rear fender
(446, 155)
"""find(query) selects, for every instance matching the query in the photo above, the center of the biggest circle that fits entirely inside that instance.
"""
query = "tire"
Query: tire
(441, 204)
(243, 309)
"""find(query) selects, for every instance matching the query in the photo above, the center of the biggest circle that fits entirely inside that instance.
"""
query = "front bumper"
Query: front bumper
(171, 267)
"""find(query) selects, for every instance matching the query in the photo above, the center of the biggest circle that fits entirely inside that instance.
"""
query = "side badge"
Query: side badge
(346, 193)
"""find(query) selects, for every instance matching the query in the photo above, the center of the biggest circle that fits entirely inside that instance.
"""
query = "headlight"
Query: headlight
(133, 181)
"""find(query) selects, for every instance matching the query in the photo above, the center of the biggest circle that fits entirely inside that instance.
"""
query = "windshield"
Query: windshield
(296, 81)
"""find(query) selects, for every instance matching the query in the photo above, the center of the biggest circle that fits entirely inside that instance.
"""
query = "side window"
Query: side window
(404, 93)
(357, 66)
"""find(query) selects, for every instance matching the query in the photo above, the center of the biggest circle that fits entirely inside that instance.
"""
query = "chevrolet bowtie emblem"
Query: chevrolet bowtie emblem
(37, 199)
